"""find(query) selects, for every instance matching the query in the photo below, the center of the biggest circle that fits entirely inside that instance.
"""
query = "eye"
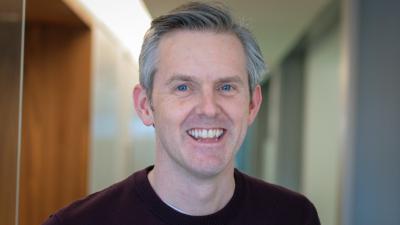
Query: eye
(182, 87)
(226, 87)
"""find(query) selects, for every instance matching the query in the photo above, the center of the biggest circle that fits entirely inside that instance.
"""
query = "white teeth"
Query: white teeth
(211, 133)
(205, 133)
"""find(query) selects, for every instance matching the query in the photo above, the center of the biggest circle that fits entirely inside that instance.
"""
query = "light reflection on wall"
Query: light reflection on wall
(127, 20)
(120, 143)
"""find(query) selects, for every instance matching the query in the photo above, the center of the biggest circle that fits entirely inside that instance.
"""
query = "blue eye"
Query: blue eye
(226, 87)
(182, 87)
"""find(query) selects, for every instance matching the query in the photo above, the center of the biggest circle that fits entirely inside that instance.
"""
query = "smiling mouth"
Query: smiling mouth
(200, 134)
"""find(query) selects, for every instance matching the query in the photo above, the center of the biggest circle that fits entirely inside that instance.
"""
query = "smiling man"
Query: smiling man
(199, 88)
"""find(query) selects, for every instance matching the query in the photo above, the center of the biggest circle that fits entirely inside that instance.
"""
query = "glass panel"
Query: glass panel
(11, 27)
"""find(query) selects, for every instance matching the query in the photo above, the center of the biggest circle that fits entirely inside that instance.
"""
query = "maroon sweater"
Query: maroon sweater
(133, 201)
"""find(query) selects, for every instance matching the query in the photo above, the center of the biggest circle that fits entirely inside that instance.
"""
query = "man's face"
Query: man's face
(201, 105)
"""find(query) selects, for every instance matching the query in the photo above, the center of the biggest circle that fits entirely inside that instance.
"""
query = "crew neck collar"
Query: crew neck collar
(171, 216)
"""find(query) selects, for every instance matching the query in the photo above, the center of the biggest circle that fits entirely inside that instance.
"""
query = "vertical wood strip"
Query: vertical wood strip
(55, 135)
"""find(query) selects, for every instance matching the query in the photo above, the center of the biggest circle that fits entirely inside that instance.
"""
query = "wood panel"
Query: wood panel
(55, 128)
(51, 12)
(10, 45)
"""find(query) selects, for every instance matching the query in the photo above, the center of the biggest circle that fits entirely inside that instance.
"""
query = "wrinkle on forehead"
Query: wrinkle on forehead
(195, 43)
(209, 53)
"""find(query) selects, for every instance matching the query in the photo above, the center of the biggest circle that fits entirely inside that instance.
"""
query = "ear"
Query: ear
(255, 103)
(142, 105)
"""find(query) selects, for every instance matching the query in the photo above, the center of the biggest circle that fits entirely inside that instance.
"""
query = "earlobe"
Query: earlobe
(142, 105)
(255, 103)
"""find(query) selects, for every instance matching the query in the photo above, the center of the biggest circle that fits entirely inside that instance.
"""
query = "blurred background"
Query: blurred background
(329, 124)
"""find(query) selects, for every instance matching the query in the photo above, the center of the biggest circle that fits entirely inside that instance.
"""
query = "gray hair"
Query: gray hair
(200, 17)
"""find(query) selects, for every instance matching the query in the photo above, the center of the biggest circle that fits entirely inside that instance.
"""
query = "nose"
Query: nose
(208, 105)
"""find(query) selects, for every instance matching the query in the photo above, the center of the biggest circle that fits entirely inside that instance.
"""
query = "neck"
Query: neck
(192, 195)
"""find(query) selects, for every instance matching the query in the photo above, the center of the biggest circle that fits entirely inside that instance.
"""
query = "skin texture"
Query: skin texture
(201, 82)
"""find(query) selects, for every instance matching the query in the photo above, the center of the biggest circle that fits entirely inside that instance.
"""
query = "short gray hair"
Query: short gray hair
(198, 16)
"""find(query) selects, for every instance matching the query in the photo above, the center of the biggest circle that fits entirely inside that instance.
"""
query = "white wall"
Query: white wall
(271, 139)
(120, 144)
(321, 144)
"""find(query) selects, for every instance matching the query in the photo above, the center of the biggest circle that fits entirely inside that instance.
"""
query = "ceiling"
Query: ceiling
(277, 24)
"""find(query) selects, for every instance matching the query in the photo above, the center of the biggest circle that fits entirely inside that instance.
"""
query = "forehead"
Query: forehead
(204, 53)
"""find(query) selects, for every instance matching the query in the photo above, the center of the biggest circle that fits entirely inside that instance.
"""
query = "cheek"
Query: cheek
(169, 110)
(239, 110)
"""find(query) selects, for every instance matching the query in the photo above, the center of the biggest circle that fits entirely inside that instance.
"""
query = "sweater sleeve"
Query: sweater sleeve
(312, 215)
(52, 220)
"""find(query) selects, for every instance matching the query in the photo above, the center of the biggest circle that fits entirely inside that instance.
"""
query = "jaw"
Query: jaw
(203, 158)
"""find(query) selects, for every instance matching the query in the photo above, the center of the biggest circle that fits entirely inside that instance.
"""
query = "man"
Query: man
(199, 88)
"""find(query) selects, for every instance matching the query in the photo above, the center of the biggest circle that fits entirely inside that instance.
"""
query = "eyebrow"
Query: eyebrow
(187, 78)
(233, 79)
(180, 77)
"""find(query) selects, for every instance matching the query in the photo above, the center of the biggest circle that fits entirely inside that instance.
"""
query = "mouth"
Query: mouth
(201, 134)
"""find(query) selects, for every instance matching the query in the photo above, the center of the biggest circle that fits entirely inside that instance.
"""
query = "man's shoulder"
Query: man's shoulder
(96, 208)
(278, 202)
(262, 189)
